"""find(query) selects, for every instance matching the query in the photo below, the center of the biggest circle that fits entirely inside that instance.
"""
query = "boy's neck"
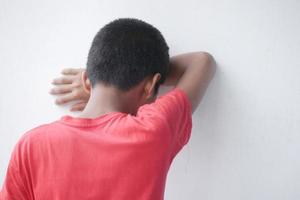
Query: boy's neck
(106, 99)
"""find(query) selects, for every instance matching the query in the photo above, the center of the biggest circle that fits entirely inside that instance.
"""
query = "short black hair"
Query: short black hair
(125, 51)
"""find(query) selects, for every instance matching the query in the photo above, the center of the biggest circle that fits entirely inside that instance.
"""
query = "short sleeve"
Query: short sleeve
(14, 186)
(176, 110)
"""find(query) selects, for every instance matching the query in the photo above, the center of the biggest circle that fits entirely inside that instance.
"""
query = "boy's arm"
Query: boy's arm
(190, 72)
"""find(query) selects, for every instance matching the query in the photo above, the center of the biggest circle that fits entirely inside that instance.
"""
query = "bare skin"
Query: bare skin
(70, 87)
(191, 72)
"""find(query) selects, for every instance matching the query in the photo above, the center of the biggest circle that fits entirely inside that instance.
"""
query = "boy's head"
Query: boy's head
(128, 53)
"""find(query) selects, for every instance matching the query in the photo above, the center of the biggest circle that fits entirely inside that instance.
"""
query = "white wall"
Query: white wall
(246, 133)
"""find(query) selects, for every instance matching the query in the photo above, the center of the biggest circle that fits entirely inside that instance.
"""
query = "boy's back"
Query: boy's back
(113, 156)
(125, 140)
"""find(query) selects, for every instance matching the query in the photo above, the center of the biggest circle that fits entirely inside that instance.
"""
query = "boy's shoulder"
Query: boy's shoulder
(34, 133)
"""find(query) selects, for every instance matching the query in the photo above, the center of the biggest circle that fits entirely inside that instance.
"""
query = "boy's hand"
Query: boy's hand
(70, 87)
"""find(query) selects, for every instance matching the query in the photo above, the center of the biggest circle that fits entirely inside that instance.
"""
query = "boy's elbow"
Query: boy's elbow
(209, 62)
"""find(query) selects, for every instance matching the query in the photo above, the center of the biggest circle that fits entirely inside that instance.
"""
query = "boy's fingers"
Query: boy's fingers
(61, 89)
(62, 80)
(65, 98)
(70, 71)
(78, 106)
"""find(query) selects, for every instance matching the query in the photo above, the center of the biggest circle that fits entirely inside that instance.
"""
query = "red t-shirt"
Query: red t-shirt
(114, 156)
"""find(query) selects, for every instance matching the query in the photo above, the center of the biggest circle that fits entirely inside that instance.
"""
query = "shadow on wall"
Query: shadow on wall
(210, 130)
(210, 113)
(214, 120)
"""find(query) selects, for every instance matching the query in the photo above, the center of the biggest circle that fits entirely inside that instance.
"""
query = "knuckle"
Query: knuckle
(58, 101)
(76, 93)
(54, 90)
(76, 84)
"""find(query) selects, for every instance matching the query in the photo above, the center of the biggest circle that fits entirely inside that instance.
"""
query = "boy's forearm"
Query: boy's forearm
(184, 69)
(180, 63)
(191, 72)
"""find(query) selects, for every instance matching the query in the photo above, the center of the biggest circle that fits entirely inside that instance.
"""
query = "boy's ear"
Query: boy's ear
(150, 86)
(85, 82)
